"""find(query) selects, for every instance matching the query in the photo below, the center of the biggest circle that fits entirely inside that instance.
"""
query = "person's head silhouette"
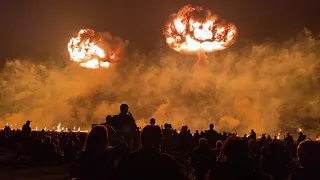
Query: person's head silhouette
(124, 108)
(219, 144)
(108, 119)
(151, 138)
(97, 140)
(203, 142)
(308, 154)
(28, 123)
(236, 149)
(152, 121)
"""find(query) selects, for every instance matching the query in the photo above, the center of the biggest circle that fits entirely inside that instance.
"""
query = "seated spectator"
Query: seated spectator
(149, 162)
(96, 162)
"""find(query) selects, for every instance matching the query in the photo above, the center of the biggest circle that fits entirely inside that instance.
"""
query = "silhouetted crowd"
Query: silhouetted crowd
(118, 149)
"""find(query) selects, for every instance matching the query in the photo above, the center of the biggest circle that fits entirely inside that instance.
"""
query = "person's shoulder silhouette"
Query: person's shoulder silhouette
(123, 121)
(149, 162)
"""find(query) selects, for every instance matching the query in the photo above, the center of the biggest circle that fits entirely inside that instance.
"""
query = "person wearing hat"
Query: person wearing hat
(25, 143)
(26, 129)
(125, 125)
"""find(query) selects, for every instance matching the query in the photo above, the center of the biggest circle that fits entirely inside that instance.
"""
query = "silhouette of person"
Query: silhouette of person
(26, 129)
(211, 136)
(237, 165)
(201, 158)
(115, 138)
(97, 160)
(108, 119)
(301, 138)
(309, 158)
(25, 139)
(152, 121)
(125, 125)
(253, 135)
(149, 162)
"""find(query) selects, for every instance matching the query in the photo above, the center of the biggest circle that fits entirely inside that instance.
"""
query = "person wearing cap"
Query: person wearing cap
(125, 124)
(25, 141)
(26, 129)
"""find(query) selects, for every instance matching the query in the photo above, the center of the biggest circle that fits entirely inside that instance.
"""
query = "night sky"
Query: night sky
(42, 28)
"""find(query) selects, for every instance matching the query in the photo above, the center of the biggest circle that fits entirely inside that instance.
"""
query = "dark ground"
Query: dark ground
(10, 171)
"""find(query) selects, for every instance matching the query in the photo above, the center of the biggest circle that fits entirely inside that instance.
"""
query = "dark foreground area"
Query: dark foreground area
(35, 173)
(11, 169)
(119, 150)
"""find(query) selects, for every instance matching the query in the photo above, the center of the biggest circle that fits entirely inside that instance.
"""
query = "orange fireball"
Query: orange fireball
(194, 29)
(86, 49)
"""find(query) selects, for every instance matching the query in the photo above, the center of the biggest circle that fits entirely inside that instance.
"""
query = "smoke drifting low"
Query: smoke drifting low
(262, 86)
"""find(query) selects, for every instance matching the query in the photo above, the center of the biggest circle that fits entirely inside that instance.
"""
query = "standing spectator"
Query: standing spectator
(253, 135)
(25, 144)
(211, 136)
(301, 138)
(125, 125)
(26, 129)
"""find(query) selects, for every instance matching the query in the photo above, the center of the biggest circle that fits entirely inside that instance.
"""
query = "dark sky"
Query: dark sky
(42, 28)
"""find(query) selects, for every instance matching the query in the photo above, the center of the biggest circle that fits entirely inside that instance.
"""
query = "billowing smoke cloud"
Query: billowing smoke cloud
(262, 86)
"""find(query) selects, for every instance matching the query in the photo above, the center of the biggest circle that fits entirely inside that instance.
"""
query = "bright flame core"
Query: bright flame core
(193, 29)
(86, 50)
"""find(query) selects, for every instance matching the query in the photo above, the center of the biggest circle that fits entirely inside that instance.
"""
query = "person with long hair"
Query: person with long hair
(96, 161)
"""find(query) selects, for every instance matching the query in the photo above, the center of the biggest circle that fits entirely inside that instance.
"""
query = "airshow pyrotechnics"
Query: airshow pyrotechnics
(93, 50)
(193, 30)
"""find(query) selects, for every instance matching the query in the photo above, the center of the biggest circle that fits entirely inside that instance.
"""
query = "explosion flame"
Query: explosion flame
(193, 30)
(86, 49)
(267, 87)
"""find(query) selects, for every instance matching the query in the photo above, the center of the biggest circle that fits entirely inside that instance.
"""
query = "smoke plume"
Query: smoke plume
(263, 87)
